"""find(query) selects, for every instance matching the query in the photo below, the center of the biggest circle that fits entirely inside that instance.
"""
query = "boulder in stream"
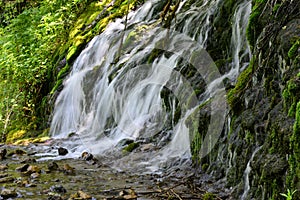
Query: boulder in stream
(62, 151)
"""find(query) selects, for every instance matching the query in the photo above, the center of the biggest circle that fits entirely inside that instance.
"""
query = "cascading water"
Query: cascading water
(246, 175)
(114, 94)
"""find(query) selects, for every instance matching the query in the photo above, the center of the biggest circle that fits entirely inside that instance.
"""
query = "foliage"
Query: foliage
(289, 194)
(28, 39)
(34, 37)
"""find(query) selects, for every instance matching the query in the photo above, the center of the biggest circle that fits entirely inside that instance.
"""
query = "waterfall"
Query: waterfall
(246, 175)
(106, 100)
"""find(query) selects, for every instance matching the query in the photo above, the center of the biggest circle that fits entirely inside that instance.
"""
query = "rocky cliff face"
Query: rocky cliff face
(264, 112)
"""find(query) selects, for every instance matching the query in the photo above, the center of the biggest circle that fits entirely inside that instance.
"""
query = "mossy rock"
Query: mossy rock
(130, 147)
(234, 95)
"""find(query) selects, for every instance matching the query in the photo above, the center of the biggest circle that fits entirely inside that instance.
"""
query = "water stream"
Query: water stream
(110, 97)
(246, 174)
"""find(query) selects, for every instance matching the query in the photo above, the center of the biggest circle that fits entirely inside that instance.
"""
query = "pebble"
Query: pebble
(22, 168)
(2, 154)
(52, 166)
(7, 179)
(34, 175)
(28, 160)
(67, 169)
(80, 195)
(8, 193)
(3, 167)
(58, 189)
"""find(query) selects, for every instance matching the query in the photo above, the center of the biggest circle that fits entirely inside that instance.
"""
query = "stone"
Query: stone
(35, 175)
(147, 147)
(87, 156)
(8, 193)
(3, 153)
(124, 142)
(128, 194)
(20, 152)
(22, 168)
(3, 167)
(3, 175)
(54, 196)
(67, 169)
(52, 166)
(7, 179)
(62, 151)
(28, 160)
(34, 169)
(80, 195)
(58, 189)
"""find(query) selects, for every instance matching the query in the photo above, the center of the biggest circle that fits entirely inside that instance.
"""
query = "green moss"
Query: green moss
(291, 95)
(255, 26)
(276, 7)
(63, 72)
(130, 147)
(293, 178)
(249, 137)
(233, 96)
(58, 84)
(293, 52)
(208, 196)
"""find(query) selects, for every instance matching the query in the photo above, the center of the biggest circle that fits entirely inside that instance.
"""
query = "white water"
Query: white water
(105, 100)
(246, 175)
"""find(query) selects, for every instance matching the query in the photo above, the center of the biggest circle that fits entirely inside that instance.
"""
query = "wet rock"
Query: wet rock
(62, 151)
(58, 189)
(128, 194)
(52, 166)
(20, 152)
(25, 183)
(7, 179)
(2, 154)
(22, 168)
(8, 193)
(3, 167)
(54, 196)
(147, 147)
(124, 142)
(30, 185)
(80, 195)
(67, 169)
(3, 175)
(28, 160)
(32, 169)
(35, 175)
(87, 156)
(131, 147)
(72, 134)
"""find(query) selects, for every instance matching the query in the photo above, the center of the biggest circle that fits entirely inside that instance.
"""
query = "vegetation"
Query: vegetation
(35, 36)
(289, 194)
(29, 36)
